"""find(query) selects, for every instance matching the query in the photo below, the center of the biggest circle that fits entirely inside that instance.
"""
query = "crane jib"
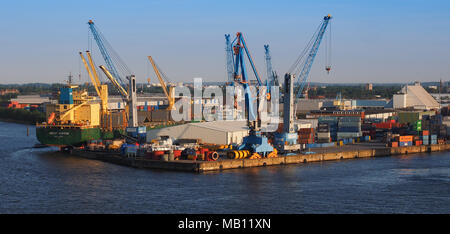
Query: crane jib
(306, 68)
(104, 51)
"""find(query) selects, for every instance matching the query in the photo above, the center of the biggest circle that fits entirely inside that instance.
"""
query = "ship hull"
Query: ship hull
(73, 136)
(61, 136)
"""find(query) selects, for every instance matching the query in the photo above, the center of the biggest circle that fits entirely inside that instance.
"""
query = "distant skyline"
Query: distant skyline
(372, 41)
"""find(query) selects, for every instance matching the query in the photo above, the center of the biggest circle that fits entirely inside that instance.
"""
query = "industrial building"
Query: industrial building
(25, 101)
(414, 96)
(216, 132)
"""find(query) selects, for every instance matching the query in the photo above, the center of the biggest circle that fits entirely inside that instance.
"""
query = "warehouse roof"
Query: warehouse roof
(223, 125)
(417, 96)
(30, 99)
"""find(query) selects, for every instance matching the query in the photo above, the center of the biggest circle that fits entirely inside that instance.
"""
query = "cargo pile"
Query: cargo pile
(349, 127)
(306, 135)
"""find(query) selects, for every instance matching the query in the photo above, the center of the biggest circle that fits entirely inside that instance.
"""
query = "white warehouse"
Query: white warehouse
(216, 132)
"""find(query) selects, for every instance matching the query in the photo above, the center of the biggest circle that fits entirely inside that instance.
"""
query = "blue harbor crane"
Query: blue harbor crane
(286, 141)
(112, 59)
(303, 64)
(255, 144)
(114, 64)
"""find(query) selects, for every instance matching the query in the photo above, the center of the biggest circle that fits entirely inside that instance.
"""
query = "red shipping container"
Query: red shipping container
(177, 153)
(425, 133)
(383, 125)
(306, 130)
(393, 144)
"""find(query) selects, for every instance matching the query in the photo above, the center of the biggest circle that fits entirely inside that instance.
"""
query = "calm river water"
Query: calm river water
(44, 181)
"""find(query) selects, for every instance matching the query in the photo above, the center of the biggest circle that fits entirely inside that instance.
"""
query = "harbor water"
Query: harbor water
(42, 180)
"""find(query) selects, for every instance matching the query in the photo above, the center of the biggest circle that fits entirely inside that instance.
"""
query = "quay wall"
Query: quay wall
(204, 166)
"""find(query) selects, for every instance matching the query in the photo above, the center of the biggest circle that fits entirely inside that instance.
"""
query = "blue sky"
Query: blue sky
(376, 41)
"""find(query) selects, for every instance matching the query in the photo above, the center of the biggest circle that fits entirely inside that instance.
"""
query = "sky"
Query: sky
(379, 41)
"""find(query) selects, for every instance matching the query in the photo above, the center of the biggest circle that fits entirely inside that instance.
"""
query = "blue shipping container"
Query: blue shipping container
(405, 143)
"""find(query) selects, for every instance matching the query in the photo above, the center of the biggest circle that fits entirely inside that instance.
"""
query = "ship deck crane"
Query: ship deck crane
(161, 77)
(129, 96)
(102, 90)
(113, 64)
(255, 142)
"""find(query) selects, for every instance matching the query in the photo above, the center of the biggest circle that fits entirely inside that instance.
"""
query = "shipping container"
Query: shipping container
(393, 144)
(342, 135)
(406, 138)
(405, 143)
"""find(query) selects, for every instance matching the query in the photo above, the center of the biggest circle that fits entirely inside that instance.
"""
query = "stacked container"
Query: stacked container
(323, 133)
(332, 122)
(405, 140)
(349, 127)
(433, 139)
(425, 137)
(306, 135)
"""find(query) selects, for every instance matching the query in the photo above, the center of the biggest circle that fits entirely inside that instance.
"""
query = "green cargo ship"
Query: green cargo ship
(72, 136)
(78, 118)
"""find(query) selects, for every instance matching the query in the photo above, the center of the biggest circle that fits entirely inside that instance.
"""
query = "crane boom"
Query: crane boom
(250, 59)
(102, 90)
(305, 68)
(163, 84)
(116, 84)
(102, 45)
(94, 71)
(90, 75)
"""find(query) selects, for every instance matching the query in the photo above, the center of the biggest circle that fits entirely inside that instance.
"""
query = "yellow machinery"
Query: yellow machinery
(80, 112)
(168, 93)
(102, 90)
(129, 96)
(116, 84)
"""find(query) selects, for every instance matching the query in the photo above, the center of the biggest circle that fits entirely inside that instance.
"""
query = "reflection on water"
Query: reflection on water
(44, 181)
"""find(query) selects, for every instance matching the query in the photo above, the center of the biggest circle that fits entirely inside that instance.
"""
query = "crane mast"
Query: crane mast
(272, 79)
(229, 58)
